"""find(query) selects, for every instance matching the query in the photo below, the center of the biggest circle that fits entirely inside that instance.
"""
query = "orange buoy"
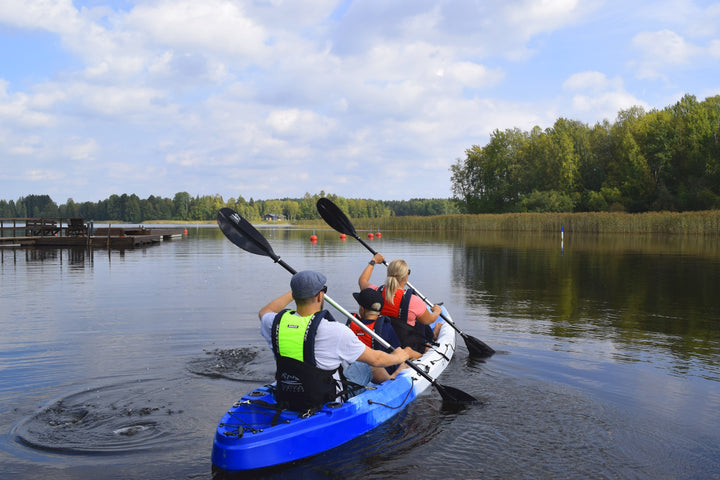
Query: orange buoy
(371, 236)
(313, 238)
(343, 237)
(185, 232)
(378, 234)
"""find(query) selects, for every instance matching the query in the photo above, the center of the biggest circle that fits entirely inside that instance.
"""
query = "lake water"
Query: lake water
(118, 365)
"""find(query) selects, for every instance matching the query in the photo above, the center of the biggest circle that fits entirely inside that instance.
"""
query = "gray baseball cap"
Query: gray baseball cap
(307, 284)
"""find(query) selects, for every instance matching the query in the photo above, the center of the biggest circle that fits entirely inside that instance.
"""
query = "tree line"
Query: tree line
(184, 207)
(661, 160)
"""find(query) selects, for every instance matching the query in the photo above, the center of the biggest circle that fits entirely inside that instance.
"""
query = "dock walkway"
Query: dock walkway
(78, 232)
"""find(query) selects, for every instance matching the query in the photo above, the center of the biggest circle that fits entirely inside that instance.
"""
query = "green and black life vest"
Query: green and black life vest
(300, 384)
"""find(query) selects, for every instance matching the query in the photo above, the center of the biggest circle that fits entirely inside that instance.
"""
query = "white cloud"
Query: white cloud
(532, 17)
(81, 149)
(117, 101)
(38, 175)
(299, 123)
(714, 49)
(218, 26)
(664, 46)
(474, 75)
(606, 104)
(51, 15)
(17, 109)
(594, 81)
(665, 51)
(601, 97)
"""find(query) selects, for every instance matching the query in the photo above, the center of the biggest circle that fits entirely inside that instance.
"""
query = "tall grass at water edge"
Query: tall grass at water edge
(694, 223)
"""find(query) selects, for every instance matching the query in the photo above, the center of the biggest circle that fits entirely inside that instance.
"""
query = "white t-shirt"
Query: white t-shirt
(335, 343)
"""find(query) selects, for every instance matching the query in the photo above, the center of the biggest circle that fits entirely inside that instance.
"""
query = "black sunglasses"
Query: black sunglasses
(324, 289)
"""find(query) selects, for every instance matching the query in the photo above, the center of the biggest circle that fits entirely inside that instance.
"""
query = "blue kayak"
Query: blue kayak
(254, 434)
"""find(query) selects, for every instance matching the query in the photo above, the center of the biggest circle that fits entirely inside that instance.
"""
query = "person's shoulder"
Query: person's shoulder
(334, 327)
(416, 300)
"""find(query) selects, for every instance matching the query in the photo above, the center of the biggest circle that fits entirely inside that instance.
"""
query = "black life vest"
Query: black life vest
(300, 384)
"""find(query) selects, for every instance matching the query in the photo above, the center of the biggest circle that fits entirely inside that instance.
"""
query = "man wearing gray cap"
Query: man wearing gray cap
(309, 346)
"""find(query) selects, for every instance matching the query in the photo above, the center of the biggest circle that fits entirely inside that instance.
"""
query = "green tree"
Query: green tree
(114, 208)
(69, 209)
(487, 178)
(39, 206)
(562, 158)
(133, 211)
(181, 205)
(291, 209)
(6, 210)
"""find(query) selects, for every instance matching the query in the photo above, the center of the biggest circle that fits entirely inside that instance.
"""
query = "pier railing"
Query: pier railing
(43, 227)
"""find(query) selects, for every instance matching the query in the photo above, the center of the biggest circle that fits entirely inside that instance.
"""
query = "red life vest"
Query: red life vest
(375, 325)
(413, 336)
(364, 337)
(399, 306)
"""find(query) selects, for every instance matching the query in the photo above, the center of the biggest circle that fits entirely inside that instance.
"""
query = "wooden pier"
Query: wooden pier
(78, 232)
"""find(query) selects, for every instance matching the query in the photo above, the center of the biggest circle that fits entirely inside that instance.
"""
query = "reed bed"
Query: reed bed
(692, 223)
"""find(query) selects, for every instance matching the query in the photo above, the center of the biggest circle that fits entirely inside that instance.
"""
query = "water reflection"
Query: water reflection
(73, 256)
(640, 292)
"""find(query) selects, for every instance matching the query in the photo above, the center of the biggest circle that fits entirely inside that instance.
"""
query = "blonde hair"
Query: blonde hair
(396, 272)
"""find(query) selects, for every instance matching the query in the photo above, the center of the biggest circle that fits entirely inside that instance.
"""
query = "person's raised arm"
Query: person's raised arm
(276, 305)
(364, 280)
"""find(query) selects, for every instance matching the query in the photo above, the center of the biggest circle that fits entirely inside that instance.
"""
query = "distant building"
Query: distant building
(273, 217)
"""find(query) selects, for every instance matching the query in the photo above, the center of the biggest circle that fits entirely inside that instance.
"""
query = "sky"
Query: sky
(270, 99)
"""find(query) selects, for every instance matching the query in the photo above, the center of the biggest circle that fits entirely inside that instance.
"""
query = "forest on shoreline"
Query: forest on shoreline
(661, 160)
(184, 207)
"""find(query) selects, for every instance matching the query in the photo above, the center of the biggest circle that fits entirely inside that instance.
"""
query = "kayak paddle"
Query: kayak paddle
(335, 217)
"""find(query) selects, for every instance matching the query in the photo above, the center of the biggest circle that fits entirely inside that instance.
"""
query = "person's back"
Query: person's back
(300, 383)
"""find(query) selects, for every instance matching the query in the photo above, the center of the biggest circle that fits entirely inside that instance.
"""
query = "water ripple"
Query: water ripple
(249, 364)
(118, 418)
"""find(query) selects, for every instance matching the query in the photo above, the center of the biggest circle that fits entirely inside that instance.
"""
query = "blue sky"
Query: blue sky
(276, 98)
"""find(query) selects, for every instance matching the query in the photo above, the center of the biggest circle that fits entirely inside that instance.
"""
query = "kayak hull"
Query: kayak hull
(253, 435)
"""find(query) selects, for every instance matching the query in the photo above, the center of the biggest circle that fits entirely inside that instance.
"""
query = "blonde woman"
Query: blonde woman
(410, 317)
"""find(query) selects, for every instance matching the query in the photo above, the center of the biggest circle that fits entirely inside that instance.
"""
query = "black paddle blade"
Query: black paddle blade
(335, 217)
(454, 396)
(476, 347)
(241, 233)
